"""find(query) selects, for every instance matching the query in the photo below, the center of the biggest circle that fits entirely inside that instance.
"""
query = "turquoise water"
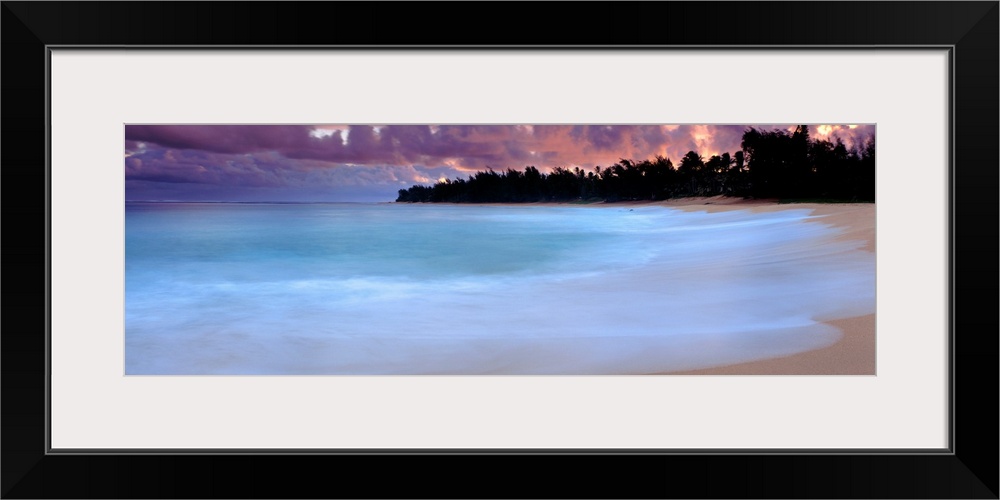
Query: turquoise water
(321, 289)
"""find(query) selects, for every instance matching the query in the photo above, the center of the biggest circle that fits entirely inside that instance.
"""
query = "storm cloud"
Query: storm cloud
(371, 162)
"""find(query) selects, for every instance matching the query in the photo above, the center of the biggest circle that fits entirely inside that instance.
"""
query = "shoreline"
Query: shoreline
(855, 353)
(659, 294)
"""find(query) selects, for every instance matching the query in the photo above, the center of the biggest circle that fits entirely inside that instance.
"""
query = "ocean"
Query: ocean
(429, 289)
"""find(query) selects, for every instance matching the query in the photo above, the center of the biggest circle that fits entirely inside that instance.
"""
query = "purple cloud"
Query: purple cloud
(327, 162)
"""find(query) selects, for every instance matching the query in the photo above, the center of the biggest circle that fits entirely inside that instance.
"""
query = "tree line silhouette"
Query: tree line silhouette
(770, 164)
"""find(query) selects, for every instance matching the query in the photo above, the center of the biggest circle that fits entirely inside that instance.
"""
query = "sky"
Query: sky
(371, 163)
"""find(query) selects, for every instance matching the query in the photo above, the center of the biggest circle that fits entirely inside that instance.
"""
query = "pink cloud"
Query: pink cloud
(394, 156)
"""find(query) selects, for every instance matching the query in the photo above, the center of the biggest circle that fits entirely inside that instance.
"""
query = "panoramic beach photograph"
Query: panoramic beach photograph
(500, 249)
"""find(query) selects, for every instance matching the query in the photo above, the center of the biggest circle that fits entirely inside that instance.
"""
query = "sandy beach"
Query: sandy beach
(498, 290)
(855, 353)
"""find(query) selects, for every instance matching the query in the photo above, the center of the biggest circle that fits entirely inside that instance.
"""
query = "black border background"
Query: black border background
(971, 472)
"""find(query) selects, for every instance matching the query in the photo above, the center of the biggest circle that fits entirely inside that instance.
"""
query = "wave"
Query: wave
(655, 290)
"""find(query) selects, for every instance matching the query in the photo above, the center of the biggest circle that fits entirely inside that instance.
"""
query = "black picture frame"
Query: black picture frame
(968, 470)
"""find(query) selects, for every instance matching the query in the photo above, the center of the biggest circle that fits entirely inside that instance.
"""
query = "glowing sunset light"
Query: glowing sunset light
(320, 133)
(340, 162)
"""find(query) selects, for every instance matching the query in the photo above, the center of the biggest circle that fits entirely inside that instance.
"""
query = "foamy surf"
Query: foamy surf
(440, 289)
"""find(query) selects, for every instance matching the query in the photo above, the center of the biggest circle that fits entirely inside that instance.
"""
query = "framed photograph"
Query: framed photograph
(734, 251)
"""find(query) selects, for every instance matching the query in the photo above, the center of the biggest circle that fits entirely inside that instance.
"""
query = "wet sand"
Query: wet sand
(855, 352)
